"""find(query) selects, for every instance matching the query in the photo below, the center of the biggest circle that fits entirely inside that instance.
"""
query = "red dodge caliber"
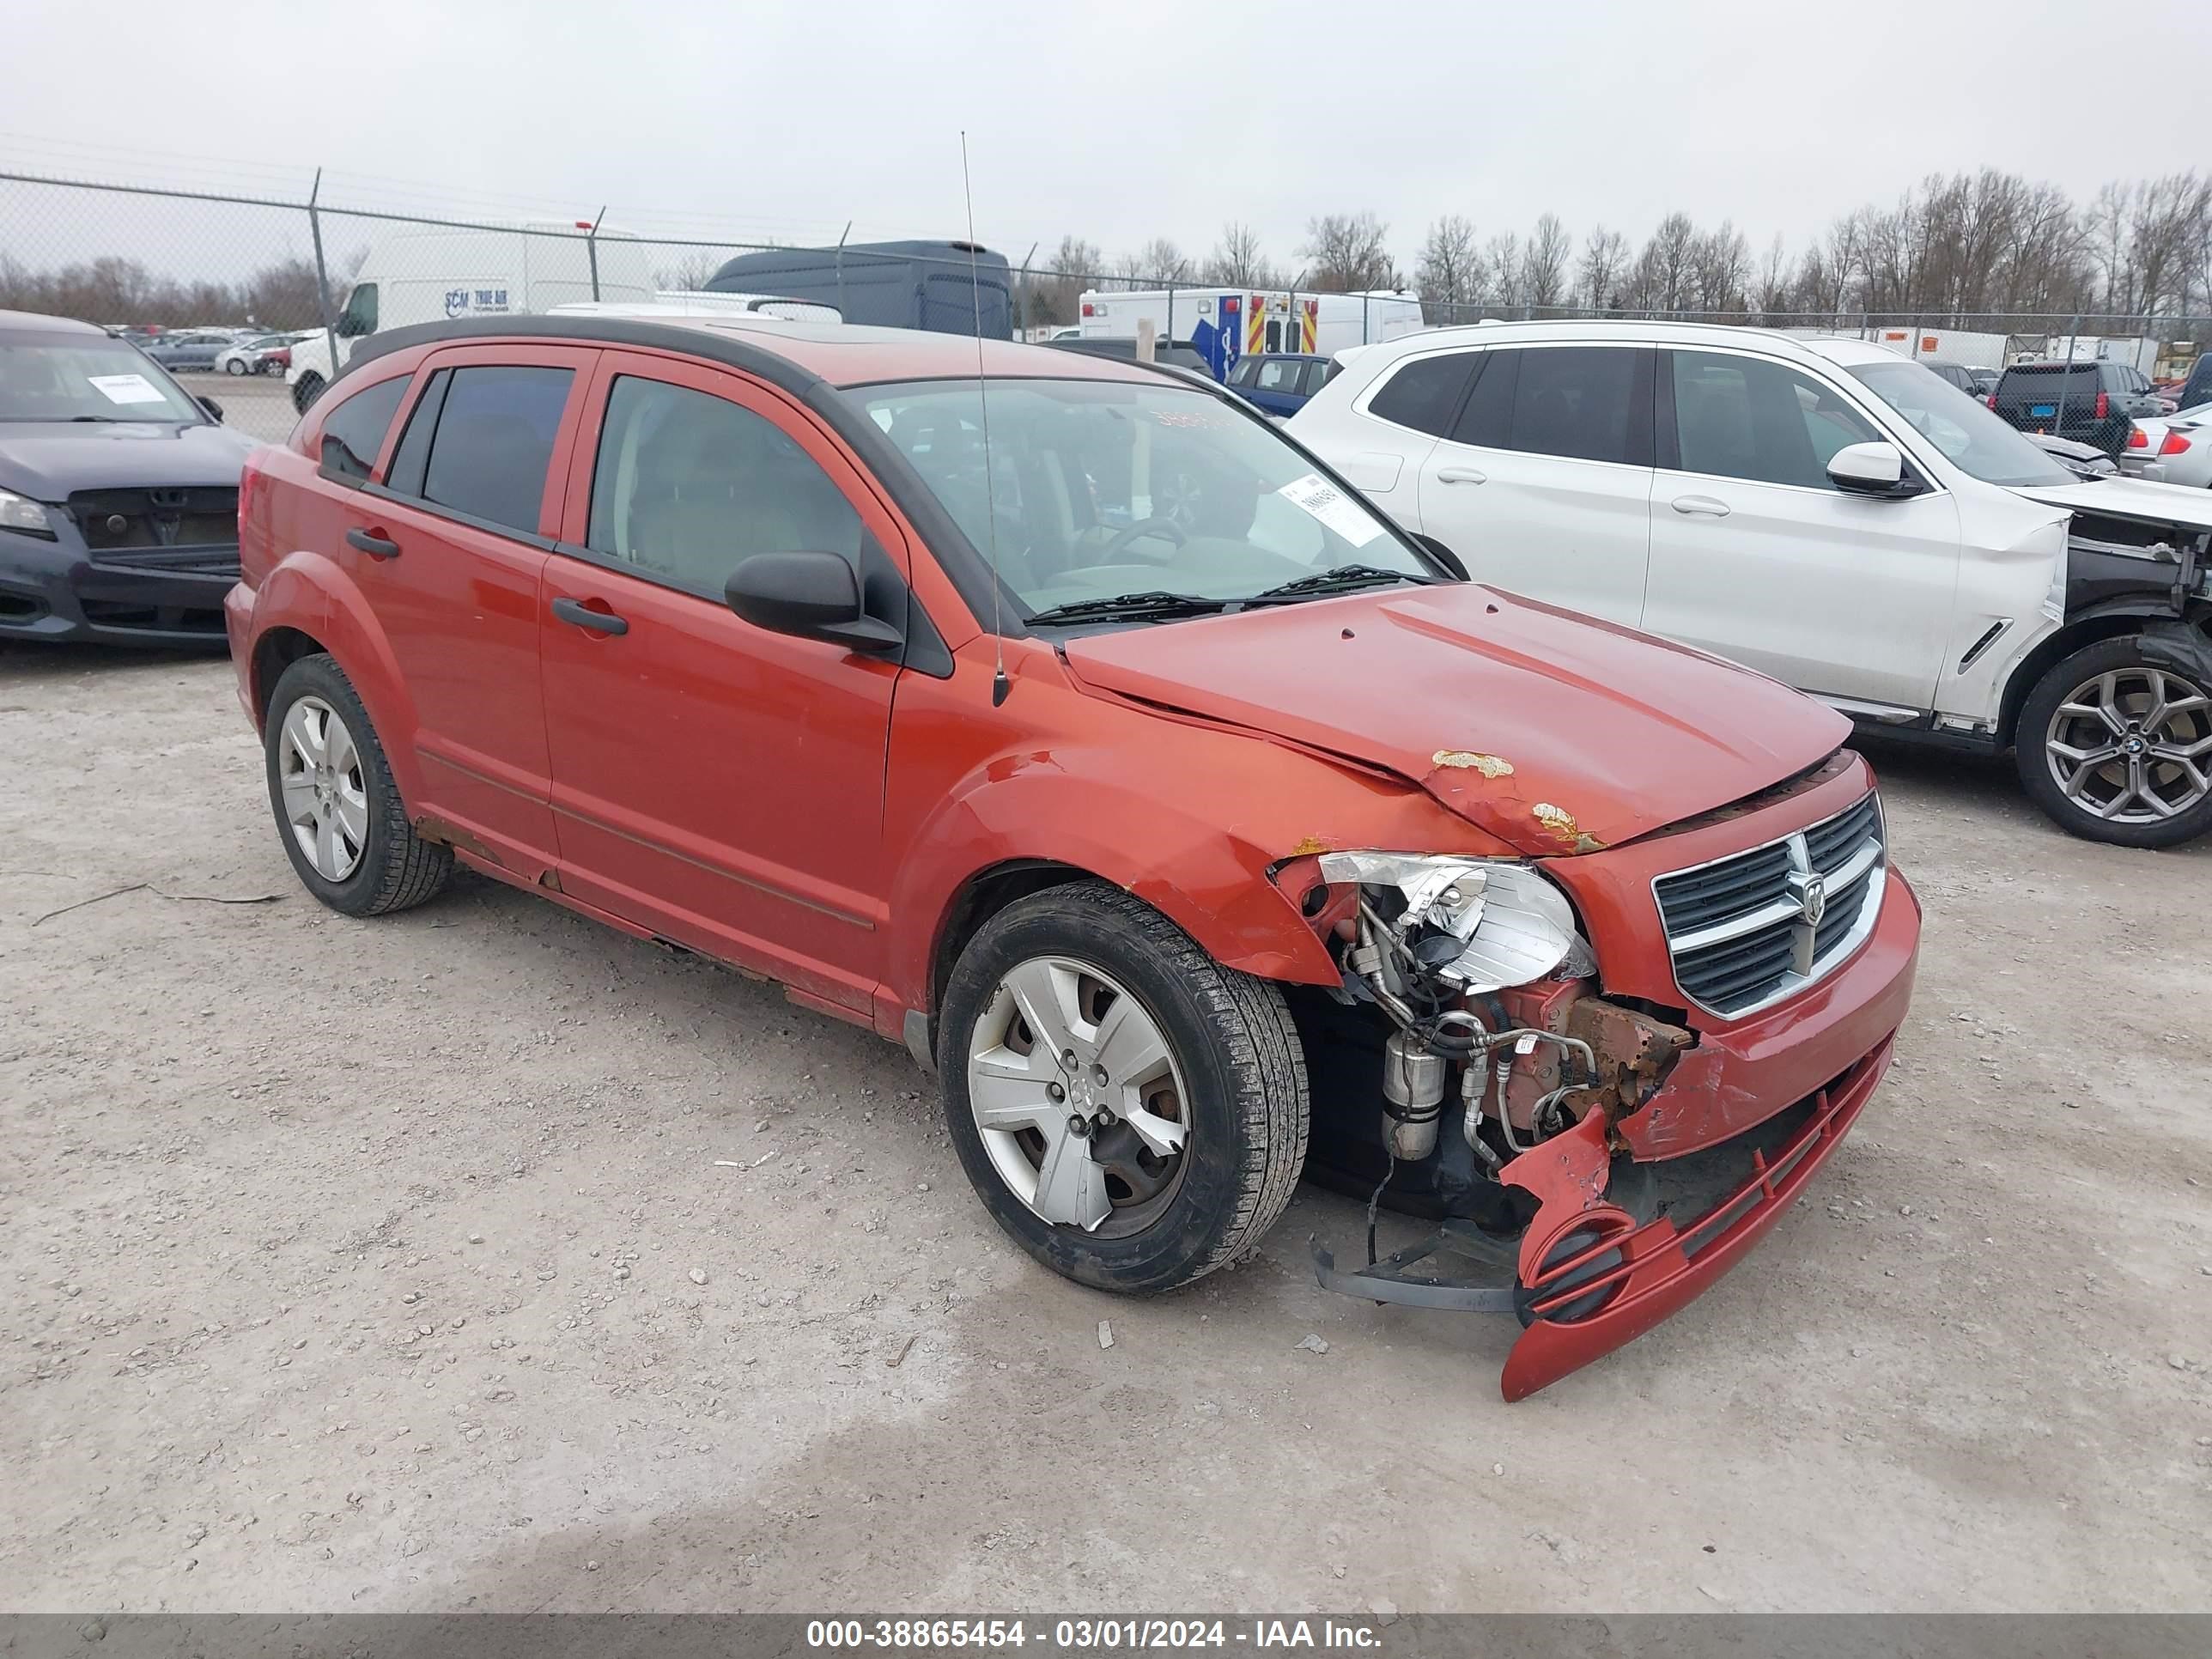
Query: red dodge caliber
(1064, 720)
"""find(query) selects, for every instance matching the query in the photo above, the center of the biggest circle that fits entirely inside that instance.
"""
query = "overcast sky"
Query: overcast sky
(1115, 119)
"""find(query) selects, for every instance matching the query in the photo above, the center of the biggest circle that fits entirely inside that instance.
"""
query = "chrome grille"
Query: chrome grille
(1752, 929)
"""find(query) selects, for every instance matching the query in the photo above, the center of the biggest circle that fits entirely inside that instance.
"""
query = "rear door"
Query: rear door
(1757, 557)
(450, 548)
(712, 782)
(1542, 484)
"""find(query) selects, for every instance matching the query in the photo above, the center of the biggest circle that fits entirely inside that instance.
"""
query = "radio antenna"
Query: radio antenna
(999, 685)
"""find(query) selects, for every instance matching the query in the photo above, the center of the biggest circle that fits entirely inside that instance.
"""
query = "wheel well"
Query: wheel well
(2064, 643)
(273, 653)
(981, 897)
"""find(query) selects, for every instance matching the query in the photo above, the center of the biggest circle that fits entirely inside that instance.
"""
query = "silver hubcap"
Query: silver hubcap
(326, 797)
(2133, 746)
(1079, 1101)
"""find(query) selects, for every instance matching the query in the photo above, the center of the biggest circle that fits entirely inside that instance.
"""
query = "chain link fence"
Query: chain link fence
(255, 300)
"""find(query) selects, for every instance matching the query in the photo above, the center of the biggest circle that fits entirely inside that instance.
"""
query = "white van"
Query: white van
(427, 273)
(1824, 511)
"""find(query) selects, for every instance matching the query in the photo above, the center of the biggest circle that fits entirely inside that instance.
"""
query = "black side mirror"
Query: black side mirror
(213, 408)
(812, 596)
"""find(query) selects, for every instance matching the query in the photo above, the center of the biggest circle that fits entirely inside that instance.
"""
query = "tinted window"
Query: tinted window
(494, 441)
(1317, 376)
(1425, 393)
(1246, 372)
(687, 486)
(1574, 401)
(408, 461)
(353, 433)
(1744, 418)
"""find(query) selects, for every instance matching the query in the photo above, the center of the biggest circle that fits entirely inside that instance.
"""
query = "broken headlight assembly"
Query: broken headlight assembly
(1433, 939)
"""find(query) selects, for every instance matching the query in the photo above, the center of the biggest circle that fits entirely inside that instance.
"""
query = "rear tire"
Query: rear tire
(234, 365)
(1232, 1087)
(2158, 738)
(351, 817)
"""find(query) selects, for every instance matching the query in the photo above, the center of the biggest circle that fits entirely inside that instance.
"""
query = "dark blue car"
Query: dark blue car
(1279, 382)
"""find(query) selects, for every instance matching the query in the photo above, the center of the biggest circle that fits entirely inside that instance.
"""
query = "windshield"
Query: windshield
(1972, 438)
(84, 377)
(1095, 490)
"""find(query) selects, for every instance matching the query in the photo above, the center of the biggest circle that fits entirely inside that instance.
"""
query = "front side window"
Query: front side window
(57, 376)
(360, 311)
(353, 433)
(494, 442)
(1745, 418)
(1977, 441)
(1093, 490)
(687, 486)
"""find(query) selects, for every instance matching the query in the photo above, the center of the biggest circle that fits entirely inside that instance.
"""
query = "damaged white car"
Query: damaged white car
(1824, 511)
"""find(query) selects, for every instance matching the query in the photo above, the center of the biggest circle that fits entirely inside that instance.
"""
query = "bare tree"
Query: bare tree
(1237, 261)
(1160, 261)
(1449, 272)
(1544, 267)
(692, 270)
(1055, 296)
(1501, 261)
(1770, 295)
(1347, 253)
(1604, 262)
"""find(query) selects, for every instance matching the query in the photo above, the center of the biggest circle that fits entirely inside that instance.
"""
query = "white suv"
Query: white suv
(1827, 512)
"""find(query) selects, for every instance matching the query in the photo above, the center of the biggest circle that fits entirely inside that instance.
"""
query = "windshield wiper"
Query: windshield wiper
(1155, 605)
(117, 419)
(1344, 578)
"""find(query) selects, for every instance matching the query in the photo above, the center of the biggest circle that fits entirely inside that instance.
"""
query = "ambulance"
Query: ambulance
(1224, 324)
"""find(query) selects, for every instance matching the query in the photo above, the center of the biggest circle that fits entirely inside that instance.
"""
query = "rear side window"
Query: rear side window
(1317, 376)
(1280, 375)
(353, 433)
(687, 486)
(494, 442)
(1246, 372)
(1425, 393)
(1577, 402)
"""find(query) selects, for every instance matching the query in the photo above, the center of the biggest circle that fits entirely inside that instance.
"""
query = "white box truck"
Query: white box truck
(418, 273)
(1225, 323)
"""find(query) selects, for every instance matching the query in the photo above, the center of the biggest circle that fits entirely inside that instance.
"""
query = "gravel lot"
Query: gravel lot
(483, 1258)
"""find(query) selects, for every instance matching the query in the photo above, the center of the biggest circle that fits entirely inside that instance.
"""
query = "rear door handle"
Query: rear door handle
(1461, 475)
(586, 615)
(1705, 504)
(376, 546)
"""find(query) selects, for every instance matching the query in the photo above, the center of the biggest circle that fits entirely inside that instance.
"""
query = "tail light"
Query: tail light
(2104, 405)
(2137, 438)
(1992, 400)
(1086, 307)
(2174, 444)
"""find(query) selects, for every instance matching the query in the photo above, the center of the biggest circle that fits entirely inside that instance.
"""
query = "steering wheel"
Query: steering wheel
(1165, 529)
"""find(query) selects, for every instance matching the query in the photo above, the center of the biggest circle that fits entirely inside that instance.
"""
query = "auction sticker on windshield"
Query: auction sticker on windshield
(127, 389)
(1314, 494)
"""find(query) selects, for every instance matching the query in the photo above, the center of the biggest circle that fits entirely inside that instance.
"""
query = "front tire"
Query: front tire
(2116, 748)
(338, 810)
(1082, 1006)
(233, 366)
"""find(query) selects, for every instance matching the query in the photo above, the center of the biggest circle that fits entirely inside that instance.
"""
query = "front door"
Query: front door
(1542, 486)
(449, 547)
(1756, 556)
(715, 783)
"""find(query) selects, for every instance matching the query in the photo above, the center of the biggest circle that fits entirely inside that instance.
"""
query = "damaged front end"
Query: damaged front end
(1504, 1076)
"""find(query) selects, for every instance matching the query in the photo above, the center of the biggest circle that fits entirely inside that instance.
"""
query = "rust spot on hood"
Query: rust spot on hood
(1491, 766)
(1560, 822)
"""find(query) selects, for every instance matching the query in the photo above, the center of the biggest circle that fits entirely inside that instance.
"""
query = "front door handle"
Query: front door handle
(590, 616)
(1705, 504)
(1461, 475)
(376, 546)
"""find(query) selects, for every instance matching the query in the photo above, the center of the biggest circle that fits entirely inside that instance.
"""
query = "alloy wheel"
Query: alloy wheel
(2133, 745)
(325, 794)
(1078, 1097)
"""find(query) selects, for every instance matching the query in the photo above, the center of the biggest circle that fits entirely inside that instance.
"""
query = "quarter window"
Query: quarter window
(494, 442)
(353, 433)
(687, 486)
(1425, 393)
(1744, 418)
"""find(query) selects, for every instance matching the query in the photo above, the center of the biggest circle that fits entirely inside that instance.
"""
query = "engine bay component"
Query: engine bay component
(1412, 1098)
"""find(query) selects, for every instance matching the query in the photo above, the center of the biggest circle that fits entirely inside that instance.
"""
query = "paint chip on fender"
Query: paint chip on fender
(1561, 822)
(1491, 766)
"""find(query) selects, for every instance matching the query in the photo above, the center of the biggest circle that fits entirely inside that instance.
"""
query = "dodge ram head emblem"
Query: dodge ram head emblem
(1813, 901)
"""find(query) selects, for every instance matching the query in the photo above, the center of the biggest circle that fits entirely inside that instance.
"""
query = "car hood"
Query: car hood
(1553, 732)
(47, 460)
(2138, 499)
